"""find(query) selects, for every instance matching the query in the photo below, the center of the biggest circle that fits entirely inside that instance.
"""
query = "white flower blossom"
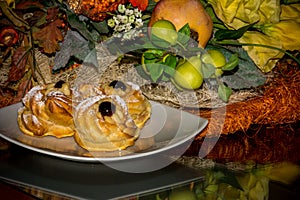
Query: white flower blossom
(137, 13)
(119, 28)
(122, 19)
(125, 21)
(127, 35)
(131, 19)
(138, 23)
(121, 8)
(128, 27)
(128, 12)
(111, 23)
(116, 20)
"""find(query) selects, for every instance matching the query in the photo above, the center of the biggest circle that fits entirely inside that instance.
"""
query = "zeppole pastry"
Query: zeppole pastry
(104, 124)
(138, 105)
(47, 111)
(85, 90)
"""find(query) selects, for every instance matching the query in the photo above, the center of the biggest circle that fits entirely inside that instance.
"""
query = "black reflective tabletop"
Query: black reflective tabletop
(86, 180)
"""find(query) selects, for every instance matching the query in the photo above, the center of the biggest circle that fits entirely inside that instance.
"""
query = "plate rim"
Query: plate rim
(202, 124)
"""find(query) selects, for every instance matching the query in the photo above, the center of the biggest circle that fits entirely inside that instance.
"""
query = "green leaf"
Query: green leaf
(207, 70)
(246, 74)
(140, 70)
(156, 70)
(224, 92)
(232, 63)
(158, 42)
(101, 27)
(79, 25)
(223, 34)
(165, 78)
(153, 53)
(184, 34)
(151, 5)
(74, 46)
(171, 61)
(149, 56)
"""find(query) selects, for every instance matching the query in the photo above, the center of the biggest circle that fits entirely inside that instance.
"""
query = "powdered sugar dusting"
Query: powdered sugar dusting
(32, 93)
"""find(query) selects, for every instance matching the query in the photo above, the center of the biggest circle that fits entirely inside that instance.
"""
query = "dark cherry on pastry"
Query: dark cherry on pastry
(138, 105)
(104, 124)
(47, 111)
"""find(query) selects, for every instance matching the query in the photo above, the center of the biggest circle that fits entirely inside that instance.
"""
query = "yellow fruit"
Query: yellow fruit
(214, 57)
(181, 12)
(165, 30)
(188, 76)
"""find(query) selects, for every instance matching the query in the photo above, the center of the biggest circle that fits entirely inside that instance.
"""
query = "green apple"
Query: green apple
(164, 30)
(188, 75)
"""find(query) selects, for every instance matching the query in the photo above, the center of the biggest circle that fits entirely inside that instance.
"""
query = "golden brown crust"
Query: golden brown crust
(98, 131)
(60, 111)
(138, 105)
(47, 111)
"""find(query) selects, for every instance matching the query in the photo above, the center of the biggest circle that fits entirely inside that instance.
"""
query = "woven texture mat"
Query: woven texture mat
(165, 92)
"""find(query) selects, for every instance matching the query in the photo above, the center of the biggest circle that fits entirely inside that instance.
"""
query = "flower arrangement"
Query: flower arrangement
(249, 44)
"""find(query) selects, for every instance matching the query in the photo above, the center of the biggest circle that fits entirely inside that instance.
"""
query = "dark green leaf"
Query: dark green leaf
(41, 21)
(184, 34)
(171, 61)
(151, 5)
(229, 177)
(287, 2)
(79, 25)
(74, 45)
(101, 27)
(223, 34)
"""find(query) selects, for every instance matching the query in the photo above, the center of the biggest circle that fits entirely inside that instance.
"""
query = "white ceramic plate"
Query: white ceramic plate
(169, 132)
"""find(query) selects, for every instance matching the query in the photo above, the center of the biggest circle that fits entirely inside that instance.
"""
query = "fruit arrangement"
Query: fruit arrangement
(163, 36)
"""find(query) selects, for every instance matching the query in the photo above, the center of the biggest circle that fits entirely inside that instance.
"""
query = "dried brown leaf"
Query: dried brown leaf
(49, 36)
(18, 64)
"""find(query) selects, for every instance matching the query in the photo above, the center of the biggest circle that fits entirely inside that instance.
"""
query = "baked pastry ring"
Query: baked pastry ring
(47, 111)
(138, 105)
(104, 124)
(84, 91)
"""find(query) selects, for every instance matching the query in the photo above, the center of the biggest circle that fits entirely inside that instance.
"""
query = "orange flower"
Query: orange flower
(141, 4)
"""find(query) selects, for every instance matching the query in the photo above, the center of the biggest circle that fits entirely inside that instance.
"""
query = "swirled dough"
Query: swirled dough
(104, 124)
(138, 105)
(47, 111)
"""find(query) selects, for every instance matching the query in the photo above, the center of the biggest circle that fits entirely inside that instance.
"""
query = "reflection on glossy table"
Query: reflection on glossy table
(44, 176)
